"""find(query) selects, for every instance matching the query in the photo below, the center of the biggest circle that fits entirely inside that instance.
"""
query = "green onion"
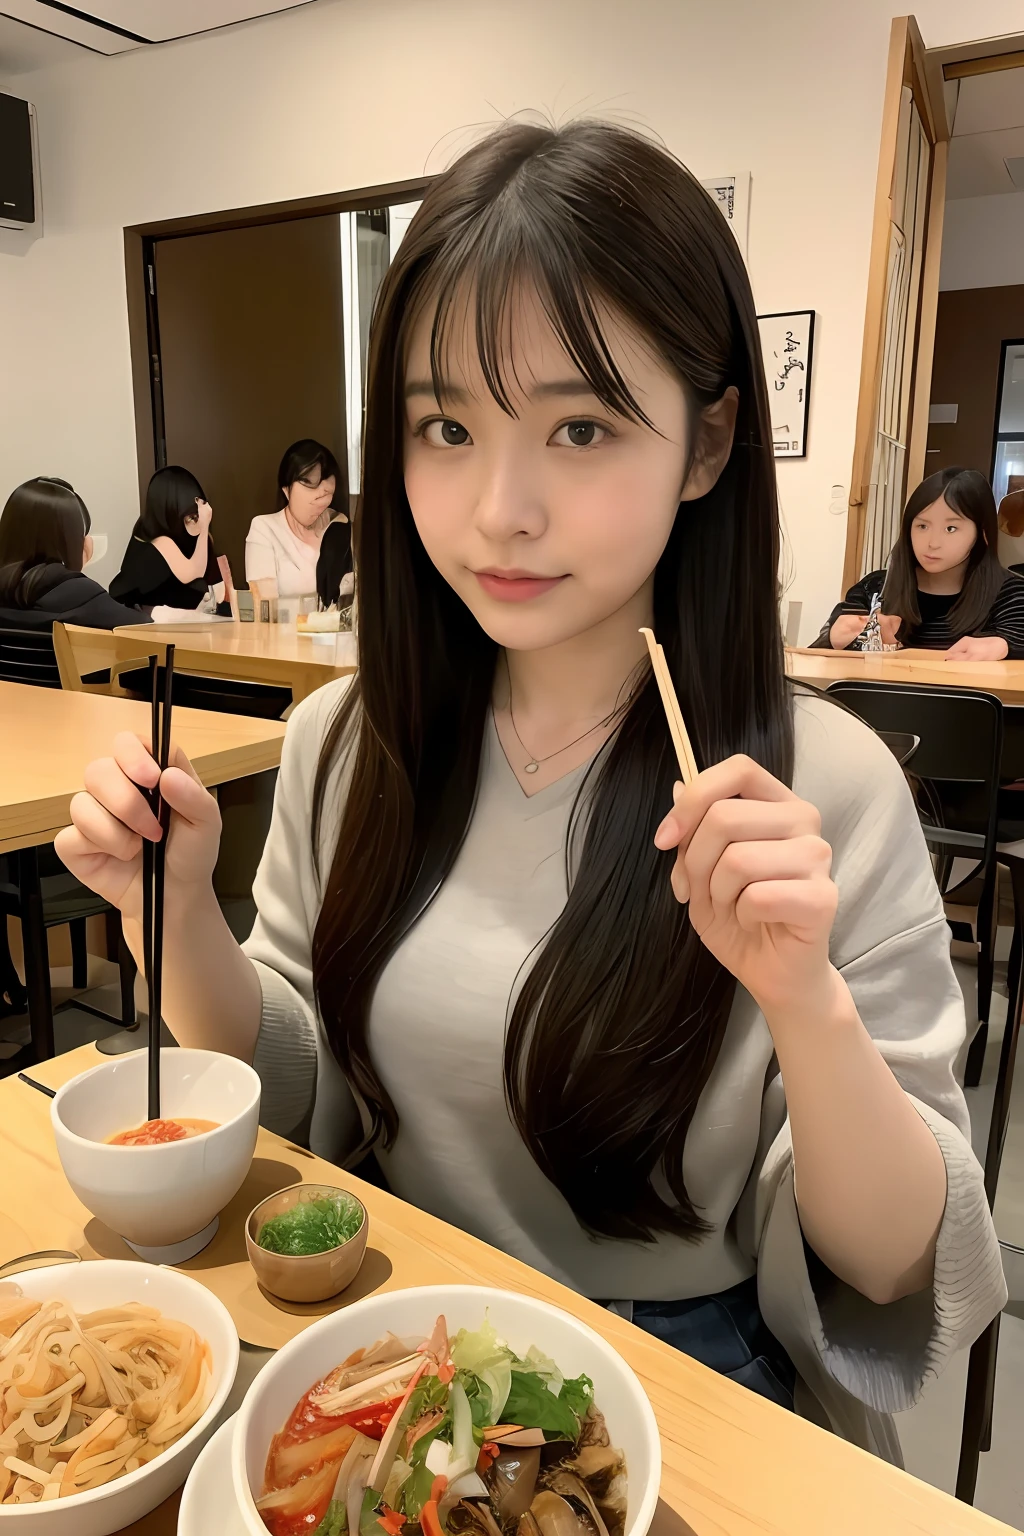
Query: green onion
(312, 1226)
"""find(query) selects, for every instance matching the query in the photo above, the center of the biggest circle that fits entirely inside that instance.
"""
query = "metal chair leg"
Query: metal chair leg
(977, 1432)
(128, 969)
(986, 943)
(79, 954)
(37, 960)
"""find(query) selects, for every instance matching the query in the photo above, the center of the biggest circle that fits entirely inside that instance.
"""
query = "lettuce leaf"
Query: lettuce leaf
(532, 1404)
(482, 1354)
(415, 1491)
(335, 1522)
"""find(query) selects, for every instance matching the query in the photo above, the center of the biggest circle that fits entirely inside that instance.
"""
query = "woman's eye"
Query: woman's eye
(445, 433)
(578, 434)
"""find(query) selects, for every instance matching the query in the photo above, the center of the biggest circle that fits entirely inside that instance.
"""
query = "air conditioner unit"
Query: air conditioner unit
(20, 206)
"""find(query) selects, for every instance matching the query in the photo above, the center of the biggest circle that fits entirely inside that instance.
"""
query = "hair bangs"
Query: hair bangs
(477, 285)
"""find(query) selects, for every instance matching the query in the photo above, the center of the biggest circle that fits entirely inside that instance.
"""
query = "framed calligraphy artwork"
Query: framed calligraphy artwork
(786, 345)
(732, 194)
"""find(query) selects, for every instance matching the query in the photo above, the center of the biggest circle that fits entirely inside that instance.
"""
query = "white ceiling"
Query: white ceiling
(988, 130)
(116, 26)
(23, 49)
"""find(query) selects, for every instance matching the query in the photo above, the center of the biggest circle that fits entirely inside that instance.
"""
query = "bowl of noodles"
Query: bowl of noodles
(112, 1377)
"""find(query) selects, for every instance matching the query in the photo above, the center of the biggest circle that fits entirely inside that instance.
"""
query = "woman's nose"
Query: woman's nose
(508, 503)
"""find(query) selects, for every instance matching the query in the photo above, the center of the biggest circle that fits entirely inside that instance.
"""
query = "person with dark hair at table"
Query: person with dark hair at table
(45, 542)
(284, 546)
(170, 562)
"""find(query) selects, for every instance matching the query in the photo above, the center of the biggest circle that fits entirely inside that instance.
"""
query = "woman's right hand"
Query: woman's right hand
(205, 514)
(103, 846)
(846, 629)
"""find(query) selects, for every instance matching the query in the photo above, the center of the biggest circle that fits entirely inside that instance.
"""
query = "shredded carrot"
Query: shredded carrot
(391, 1521)
(488, 1453)
(438, 1488)
(429, 1521)
(445, 1372)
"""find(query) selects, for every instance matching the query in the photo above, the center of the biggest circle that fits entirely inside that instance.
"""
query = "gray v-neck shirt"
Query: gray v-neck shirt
(437, 1030)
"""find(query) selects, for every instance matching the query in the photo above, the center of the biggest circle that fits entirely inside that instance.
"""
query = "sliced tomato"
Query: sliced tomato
(373, 1418)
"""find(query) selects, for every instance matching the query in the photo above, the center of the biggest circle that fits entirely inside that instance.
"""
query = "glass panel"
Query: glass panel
(1011, 399)
(1008, 474)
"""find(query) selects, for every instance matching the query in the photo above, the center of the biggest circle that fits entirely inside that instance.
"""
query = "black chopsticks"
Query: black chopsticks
(51, 1093)
(154, 861)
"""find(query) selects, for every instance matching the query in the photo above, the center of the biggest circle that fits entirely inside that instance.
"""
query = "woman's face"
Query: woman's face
(310, 498)
(549, 521)
(942, 539)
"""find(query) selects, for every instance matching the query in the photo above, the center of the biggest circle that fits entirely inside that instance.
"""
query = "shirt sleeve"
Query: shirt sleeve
(291, 1055)
(1006, 619)
(857, 600)
(260, 564)
(890, 942)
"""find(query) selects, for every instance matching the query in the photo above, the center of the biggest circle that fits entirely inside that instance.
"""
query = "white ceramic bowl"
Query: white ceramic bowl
(522, 1320)
(158, 1198)
(111, 1282)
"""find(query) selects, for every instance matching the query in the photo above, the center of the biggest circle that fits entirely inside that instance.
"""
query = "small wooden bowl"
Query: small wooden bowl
(306, 1276)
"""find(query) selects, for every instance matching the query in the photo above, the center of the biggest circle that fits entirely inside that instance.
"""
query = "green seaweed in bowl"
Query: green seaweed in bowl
(312, 1226)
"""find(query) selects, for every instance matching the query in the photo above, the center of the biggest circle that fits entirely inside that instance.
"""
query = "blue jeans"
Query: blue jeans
(727, 1333)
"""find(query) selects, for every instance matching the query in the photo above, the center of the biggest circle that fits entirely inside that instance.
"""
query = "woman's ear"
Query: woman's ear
(716, 427)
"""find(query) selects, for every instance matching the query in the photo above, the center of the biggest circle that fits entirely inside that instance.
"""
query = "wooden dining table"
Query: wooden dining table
(1005, 679)
(49, 736)
(734, 1464)
(279, 655)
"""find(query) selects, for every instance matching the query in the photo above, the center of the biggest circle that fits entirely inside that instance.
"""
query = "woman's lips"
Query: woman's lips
(516, 586)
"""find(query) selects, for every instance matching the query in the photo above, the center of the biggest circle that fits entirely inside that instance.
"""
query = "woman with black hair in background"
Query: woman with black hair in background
(284, 546)
(626, 1031)
(169, 562)
(944, 588)
(44, 544)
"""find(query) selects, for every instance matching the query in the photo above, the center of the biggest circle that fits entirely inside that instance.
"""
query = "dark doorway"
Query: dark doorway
(251, 358)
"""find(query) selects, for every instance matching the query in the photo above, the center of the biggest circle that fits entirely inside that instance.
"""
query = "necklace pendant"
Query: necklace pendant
(531, 767)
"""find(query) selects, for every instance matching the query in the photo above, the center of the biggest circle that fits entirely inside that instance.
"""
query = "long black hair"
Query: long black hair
(623, 1013)
(968, 492)
(44, 523)
(171, 496)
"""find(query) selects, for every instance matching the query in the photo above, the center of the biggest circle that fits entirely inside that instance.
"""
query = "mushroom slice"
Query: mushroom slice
(598, 1466)
(513, 1480)
(556, 1516)
(472, 1517)
(576, 1493)
(514, 1434)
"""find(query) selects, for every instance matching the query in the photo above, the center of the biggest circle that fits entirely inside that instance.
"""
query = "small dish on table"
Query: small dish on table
(291, 1268)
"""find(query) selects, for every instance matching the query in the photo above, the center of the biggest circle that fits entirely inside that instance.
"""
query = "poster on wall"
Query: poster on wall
(786, 342)
(732, 194)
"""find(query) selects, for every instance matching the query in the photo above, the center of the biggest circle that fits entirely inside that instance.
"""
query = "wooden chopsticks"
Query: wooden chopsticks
(680, 740)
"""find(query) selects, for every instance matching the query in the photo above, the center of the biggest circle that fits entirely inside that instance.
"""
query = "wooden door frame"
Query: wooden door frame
(143, 332)
(926, 69)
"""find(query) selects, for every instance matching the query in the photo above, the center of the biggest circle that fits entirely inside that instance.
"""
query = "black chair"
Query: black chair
(960, 732)
(27, 656)
(958, 756)
(37, 889)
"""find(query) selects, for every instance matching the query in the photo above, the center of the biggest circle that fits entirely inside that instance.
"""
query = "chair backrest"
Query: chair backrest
(70, 677)
(27, 656)
(960, 733)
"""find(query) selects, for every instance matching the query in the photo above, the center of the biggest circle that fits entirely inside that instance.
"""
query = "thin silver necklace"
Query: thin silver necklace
(534, 763)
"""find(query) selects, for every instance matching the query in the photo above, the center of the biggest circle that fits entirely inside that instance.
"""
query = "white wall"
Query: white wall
(348, 93)
(983, 242)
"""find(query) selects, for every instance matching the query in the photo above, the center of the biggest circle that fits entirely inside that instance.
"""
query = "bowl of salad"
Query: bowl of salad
(453, 1410)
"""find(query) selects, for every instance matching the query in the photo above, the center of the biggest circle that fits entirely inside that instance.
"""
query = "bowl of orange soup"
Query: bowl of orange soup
(159, 1184)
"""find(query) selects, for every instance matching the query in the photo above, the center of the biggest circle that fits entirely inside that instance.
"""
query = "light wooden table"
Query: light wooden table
(1005, 679)
(253, 653)
(734, 1464)
(49, 736)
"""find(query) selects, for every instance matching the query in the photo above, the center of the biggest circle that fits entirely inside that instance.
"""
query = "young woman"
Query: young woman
(284, 545)
(690, 1051)
(44, 544)
(944, 589)
(169, 562)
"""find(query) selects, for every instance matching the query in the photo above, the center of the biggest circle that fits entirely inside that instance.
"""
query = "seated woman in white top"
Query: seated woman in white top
(283, 546)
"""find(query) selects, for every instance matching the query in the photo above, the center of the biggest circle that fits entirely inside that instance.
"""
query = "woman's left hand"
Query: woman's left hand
(978, 648)
(754, 868)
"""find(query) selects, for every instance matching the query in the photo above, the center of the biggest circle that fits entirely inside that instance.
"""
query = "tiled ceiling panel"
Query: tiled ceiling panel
(114, 26)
